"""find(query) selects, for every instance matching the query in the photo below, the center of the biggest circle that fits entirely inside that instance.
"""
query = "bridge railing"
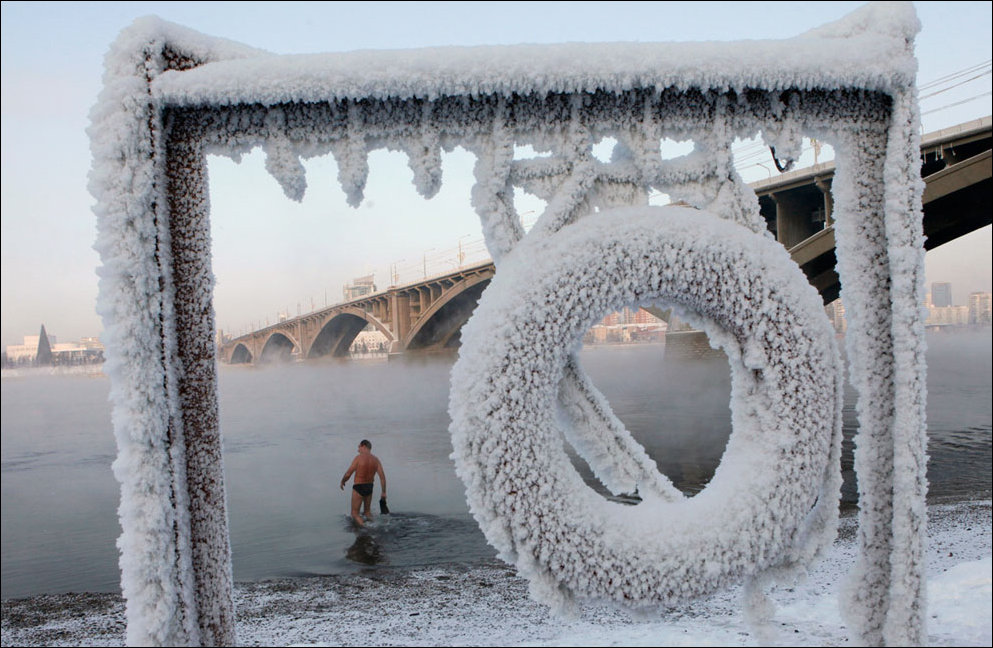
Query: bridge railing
(172, 95)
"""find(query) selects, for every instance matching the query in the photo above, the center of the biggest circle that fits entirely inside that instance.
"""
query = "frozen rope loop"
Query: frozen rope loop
(773, 500)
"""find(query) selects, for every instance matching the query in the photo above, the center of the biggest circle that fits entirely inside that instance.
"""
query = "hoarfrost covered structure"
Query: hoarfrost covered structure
(172, 96)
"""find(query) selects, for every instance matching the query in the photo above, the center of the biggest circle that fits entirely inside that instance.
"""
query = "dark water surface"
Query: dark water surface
(290, 432)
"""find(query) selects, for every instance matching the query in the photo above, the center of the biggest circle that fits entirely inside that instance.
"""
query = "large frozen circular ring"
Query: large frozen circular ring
(779, 473)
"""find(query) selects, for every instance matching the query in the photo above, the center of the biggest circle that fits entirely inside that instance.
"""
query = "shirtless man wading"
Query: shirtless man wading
(365, 466)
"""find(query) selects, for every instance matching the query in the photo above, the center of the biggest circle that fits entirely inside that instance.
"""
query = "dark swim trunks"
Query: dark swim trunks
(365, 490)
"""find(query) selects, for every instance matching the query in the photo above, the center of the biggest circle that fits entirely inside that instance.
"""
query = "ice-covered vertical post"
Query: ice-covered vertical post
(156, 303)
(880, 261)
(196, 352)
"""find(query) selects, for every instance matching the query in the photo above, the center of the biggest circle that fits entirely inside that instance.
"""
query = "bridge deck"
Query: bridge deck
(427, 315)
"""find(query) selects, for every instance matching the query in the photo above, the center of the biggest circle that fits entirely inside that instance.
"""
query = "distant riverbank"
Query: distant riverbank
(95, 370)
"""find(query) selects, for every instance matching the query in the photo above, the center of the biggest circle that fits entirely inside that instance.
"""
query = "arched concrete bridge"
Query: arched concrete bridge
(424, 317)
(958, 199)
(428, 316)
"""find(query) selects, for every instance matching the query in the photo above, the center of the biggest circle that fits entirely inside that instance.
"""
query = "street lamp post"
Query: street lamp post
(461, 253)
(424, 259)
(395, 272)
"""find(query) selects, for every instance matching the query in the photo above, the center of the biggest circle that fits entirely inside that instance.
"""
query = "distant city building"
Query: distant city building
(21, 354)
(44, 350)
(627, 326)
(941, 294)
(360, 287)
(676, 324)
(836, 314)
(369, 341)
(27, 353)
(980, 308)
(614, 319)
(947, 316)
(641, 316)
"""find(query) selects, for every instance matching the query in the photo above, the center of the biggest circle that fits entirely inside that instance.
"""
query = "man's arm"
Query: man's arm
(382, 477)
(348, 473)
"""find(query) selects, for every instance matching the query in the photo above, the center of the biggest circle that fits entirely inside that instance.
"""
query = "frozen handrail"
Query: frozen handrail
(172, 95)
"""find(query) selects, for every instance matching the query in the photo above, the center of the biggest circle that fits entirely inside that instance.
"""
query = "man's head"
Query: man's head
(364, 444)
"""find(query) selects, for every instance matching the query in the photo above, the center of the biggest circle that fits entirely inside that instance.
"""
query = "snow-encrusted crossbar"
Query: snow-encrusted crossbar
(172, 96)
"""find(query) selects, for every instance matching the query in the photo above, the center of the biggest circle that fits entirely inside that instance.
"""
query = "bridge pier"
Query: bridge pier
(801, 211)
(400, 307)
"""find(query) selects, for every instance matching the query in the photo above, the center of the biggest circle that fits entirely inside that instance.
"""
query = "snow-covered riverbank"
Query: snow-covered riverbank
(488, 605)
(92, 370)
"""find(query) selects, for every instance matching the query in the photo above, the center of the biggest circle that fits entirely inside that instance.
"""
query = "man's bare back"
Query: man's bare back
(365, 466)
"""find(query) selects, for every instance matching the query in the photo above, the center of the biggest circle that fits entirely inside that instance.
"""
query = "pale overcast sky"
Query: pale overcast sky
(271, 254)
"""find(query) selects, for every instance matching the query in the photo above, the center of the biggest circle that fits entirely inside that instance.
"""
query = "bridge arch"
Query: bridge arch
(440, 326)
(241, 354)
(339, 331)
(278, 347)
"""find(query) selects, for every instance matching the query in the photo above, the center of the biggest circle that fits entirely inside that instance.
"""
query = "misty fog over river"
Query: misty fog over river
(291, 430)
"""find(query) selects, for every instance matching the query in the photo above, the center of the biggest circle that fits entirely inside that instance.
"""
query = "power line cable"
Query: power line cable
(958, 103)
(954, 75)
(952, 87)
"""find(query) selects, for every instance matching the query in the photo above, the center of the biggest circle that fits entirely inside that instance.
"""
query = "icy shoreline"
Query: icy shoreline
(89, 370)
(487, 604)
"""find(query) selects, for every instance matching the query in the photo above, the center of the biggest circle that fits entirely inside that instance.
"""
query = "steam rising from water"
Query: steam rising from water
(290, 431)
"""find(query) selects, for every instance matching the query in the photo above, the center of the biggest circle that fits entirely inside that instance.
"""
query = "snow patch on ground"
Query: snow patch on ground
(487, 605)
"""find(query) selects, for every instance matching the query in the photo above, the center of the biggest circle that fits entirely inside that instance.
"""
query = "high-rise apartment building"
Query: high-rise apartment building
(941, 294)
(980, 308)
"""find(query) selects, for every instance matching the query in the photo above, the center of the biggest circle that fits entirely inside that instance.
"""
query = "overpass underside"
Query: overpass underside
(958, 200)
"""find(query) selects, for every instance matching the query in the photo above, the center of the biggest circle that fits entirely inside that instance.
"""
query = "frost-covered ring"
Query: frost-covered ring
(507, 431)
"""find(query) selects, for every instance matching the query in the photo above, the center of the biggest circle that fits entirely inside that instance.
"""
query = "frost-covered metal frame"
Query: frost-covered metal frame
(172, 97)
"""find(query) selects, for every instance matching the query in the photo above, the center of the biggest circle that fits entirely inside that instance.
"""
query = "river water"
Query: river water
(290, 432)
